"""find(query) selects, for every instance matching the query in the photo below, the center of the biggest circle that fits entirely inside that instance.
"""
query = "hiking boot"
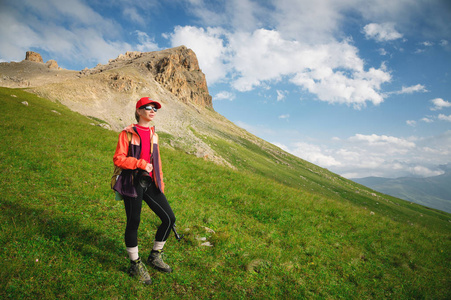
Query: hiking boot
(156, 261)
(139, 270)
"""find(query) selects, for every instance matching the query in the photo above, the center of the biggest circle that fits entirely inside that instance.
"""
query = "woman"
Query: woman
(141, 178)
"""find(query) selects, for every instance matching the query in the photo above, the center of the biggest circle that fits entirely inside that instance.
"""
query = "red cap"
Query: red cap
(145, 101)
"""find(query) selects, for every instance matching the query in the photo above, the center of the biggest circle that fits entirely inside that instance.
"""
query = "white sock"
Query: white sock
(133, 253)
(158, 245)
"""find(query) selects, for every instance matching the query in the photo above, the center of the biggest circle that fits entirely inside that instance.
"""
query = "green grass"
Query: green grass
(283, 228)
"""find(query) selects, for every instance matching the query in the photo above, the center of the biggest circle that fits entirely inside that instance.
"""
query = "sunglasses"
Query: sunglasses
(151, 108)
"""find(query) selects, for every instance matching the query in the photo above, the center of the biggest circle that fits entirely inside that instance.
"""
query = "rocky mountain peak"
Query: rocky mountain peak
(176, 70)
(180, 74)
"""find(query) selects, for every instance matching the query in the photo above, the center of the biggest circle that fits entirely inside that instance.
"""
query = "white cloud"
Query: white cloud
(425, 46)
(381, 32)
(389, 144)
(74, 12)
(423, 171)
(282, 146)
(72, 31)
(382, 51)
(427, 120)
(208, 44)
(246, 57)
(91, 41)
(378, 155)
(132, 14)
(145, 42)
(260, 56)
(281, 95)
(419, 88)
(418, 51)
(314, 154)
(242, 14)
(411, 123)
(443, 117)
(224, 95)
(413, 89)
(337, 87)
(16, 38)
(439, 103)
(313, 22)
(287, 116)
(333, 72)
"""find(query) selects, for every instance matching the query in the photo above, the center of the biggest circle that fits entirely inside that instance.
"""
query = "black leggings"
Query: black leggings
(158, 203)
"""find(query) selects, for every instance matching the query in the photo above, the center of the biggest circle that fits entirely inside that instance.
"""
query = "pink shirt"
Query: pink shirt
(144, 133)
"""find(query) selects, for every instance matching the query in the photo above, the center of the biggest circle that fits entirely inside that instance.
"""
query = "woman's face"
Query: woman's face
(147, 113)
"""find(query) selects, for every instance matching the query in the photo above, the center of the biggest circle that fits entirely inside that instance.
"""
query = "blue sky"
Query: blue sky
(359, 87)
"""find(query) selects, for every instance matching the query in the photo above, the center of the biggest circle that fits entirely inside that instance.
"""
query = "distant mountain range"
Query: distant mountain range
(434, 192)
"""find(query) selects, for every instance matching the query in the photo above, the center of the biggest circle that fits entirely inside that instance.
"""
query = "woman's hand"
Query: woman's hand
(149, 168)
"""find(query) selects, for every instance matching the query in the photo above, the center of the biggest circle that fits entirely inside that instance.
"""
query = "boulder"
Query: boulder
(52, 64)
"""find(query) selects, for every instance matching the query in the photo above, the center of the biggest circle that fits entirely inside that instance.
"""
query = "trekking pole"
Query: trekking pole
(177, 236)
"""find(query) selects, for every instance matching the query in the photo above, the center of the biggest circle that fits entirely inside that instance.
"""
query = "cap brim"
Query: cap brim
(157, 104)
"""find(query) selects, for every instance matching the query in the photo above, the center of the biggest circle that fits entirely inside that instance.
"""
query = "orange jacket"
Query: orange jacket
(127, 154)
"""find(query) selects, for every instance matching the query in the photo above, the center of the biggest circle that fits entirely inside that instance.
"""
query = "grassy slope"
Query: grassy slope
(283, 228)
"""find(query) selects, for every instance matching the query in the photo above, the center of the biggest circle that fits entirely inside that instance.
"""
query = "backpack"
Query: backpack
(117, 171)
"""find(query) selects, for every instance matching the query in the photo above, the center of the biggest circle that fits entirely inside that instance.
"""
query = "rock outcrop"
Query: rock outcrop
(33, 56)
(33, 72)
(36, 57)
(176, 69)
(180, 74)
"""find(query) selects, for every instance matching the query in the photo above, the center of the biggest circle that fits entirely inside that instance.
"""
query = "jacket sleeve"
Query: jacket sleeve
(121, 158)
